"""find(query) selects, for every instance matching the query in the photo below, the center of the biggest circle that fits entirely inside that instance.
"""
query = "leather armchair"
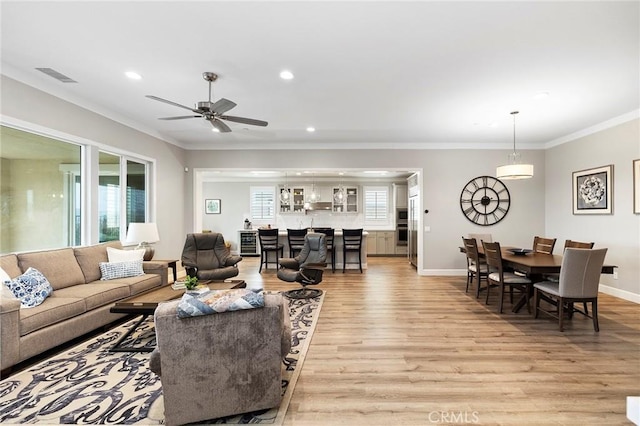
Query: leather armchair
(307, 267)
(206, 257)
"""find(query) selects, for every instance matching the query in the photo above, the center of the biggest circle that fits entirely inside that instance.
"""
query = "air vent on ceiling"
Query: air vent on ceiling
(55, 74)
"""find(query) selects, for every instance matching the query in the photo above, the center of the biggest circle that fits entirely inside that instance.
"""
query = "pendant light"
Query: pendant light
(514, 170)
(285, 194)
(314, 197)
(338, 196)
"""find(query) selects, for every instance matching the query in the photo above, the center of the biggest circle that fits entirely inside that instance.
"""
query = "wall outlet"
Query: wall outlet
(427, 229)
(615, 273)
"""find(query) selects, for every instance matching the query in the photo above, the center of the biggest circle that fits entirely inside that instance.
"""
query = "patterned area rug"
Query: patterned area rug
(88, 384)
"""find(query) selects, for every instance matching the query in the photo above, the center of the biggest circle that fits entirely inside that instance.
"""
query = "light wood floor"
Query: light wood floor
(394, 348)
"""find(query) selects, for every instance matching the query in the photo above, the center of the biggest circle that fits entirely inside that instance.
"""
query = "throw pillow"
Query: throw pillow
(31, 288)
(117, 255)
(113, 270)
(4, 276)
(218, 301)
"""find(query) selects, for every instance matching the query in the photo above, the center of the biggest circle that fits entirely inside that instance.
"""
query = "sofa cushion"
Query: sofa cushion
(31, 288)
(4, 276)
(9, 263)
(59, 266)
(96, 294)
(113, 270)
(117, 255)
(89, 259)
(138, 284)
(53, 310)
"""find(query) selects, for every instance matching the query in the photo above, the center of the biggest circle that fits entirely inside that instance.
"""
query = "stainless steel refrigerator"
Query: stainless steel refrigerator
(413, 223)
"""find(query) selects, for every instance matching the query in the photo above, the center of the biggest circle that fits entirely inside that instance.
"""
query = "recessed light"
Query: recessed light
(494, 124)
(286, 75)
(311, 129)
(541, 95)
(133, 75)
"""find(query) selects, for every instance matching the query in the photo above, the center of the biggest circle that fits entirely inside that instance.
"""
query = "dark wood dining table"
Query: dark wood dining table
(534, 265)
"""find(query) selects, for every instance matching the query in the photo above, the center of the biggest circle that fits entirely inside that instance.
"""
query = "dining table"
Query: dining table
(534, 265)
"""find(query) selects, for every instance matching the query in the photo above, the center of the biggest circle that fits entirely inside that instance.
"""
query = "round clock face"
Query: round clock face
(485, 200)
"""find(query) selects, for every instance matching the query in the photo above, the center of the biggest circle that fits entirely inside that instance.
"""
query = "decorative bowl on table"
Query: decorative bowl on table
(520, 251)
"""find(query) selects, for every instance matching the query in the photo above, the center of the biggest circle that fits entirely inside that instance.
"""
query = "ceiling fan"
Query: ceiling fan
(213, 112)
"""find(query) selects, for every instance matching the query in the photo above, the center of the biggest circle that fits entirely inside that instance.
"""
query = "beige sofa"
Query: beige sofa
(79, 303)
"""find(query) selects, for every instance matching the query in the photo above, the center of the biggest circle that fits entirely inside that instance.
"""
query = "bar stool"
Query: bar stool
(329, 232)
(352, 242)
(269, 243)
(295, 237)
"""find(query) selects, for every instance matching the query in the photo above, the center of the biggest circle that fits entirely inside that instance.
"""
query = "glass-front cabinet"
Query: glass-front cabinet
(295, 204)
(348, 203)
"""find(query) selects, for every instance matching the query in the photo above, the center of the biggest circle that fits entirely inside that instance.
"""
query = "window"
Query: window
(43, 192)
(376, 205)
(263, 202)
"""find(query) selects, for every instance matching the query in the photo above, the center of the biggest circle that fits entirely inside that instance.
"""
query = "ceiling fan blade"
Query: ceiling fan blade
(222, 127)
(155, 98)
(180, 118)
(244, 120)
(222, 106)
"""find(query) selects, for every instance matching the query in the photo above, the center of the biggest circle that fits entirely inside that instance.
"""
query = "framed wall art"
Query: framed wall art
(636, 186)
(593, 191)
(212, 206)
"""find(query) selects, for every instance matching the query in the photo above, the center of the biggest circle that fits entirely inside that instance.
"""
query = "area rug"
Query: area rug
(90, 385)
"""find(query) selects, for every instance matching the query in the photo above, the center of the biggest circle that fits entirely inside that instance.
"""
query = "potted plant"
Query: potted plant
(190, 283)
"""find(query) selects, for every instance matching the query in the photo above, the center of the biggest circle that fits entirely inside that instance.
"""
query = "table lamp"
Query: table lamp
(144, 234)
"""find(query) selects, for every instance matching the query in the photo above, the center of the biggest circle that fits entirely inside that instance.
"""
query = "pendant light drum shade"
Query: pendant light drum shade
(514, 170)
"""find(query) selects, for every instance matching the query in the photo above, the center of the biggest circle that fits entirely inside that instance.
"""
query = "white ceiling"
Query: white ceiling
(367, 74)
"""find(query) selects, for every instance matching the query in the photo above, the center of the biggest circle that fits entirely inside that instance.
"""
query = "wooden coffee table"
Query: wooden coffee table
(145, 304)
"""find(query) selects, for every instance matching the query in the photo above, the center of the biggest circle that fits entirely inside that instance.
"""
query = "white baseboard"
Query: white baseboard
(622, 294)
(611, 291)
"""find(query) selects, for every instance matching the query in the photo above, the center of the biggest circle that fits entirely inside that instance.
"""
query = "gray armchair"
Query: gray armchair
(307, 267)
(205, 256)
(223, 364)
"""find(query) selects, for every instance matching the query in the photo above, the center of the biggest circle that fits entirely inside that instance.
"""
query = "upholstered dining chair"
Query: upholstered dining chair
(579, 281)
(269, 244)
(295, 238)
(352, 242)
(501, 278)
(543, 245)
(307, 267)
(206, 257)
(476, 267)
(330, 233)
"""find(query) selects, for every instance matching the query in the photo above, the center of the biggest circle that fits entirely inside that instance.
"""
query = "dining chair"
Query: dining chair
(579, 281)
(352, 242)
(330, 234)
(295, 237)
(500, 278)
(476, 267)
(543, 245)
(269, 243)
(480, 238)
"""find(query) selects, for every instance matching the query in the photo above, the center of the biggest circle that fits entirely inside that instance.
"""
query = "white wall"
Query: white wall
(620, 231)
(29, 105)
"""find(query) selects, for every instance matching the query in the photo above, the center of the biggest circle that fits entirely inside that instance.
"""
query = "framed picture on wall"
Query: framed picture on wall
(636, 186)
(593, 191)
(212, 206)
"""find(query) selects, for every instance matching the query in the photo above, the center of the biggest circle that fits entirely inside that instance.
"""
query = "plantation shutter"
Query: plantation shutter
(376, 204)
(262, 202)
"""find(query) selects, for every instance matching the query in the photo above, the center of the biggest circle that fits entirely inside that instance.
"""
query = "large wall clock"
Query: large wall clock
(485, 200)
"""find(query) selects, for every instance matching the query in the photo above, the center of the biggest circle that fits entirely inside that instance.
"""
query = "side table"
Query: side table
(173, 264)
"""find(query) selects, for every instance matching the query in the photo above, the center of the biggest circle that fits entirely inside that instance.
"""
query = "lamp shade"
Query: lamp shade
(515, 171)
(142, 233)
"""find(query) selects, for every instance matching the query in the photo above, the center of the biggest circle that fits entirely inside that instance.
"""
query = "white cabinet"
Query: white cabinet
(296, 201)
(349, 204)
(401, 195)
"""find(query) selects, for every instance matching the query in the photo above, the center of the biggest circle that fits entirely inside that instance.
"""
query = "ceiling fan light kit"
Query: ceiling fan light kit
(213, 112)
(514, 169)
